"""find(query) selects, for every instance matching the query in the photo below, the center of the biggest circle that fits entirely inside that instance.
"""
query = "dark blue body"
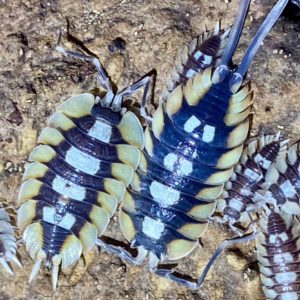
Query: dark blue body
(189, 150)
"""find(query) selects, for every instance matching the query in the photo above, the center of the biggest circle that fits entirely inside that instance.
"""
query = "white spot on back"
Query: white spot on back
(284, 237)
(283, 258)
(181, 165)
(198, 54)
(251, 174)
(194, 154)
(101, 131)
(191, 124)
(245, 192)
(68, 189)
(289, 296)
(273, 238)
(286, 277)
(208, 133)
(163, 195)
(207, 59)
(170, 160)
(82, 161)
(49, 215)
(67, 221)
(236, 204)
(287, 189)
(262, 161)
(190, 73)
(153, 228)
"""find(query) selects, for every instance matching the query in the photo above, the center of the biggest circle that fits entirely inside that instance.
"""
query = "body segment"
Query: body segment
(278, 250)
(282, 181)
(243, 191)
(8, 244)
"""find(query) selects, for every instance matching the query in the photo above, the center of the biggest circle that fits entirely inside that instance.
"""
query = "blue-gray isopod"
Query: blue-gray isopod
(78, 174)
(195, 139)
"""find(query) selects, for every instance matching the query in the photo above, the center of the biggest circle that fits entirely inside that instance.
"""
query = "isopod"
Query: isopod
(195, 139)
(278, 248)
(78, 173)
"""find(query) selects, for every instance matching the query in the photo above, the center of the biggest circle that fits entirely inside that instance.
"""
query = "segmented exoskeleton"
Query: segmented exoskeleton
(203, 51)
(78, 174)
(282, 181)
(278, 248)
(241, 194)
(278, 243)
(8, 245)
(195, 139)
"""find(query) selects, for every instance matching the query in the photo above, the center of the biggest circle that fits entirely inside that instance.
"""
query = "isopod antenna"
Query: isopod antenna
(238, 75)
(257, 41)
(235, 32)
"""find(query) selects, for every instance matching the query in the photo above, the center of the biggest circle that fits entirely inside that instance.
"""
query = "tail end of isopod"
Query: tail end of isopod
(6, 266)
(13, 258)
(56, 260)
(41, 256)
(222, 70)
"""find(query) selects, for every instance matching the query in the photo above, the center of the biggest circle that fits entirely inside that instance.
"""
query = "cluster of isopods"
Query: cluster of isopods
(193, 158)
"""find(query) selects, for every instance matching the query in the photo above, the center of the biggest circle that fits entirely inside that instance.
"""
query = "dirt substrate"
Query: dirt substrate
(34, 79)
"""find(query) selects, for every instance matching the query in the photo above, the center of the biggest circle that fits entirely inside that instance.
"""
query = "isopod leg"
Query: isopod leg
(191, 283)
(231, 224)
(225, 244)
(102, 75)
(123, 253)
(115, 101)
(141, 83)
(178, 278)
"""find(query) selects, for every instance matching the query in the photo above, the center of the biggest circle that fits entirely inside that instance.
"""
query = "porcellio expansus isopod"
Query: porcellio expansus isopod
(78, 174)
(241, 192)
(278, 249)
(195, 139)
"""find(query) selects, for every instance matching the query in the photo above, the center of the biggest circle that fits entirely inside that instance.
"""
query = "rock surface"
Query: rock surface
(34, 79)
